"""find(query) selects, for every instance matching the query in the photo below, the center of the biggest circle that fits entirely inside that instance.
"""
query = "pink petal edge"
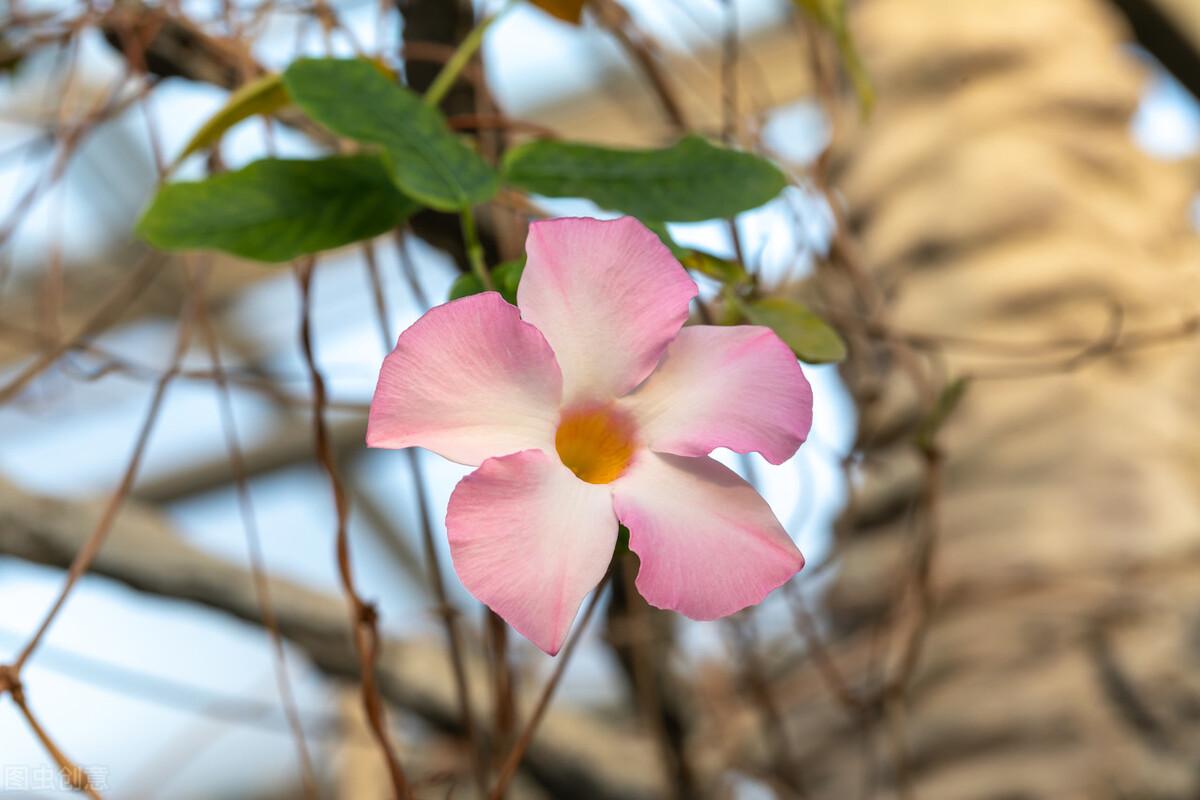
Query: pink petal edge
(738, 387)
(608, 296)
(530, 540)
(709, 545)
(468, 380)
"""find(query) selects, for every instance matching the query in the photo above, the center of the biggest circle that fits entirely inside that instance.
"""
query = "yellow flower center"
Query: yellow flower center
(595, 443)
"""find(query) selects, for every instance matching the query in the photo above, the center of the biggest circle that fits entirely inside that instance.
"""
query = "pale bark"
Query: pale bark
(997, 194)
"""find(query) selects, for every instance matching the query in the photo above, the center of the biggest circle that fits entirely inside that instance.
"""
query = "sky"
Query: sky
(69, 439)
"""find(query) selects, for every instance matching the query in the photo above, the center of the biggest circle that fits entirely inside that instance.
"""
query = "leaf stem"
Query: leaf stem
(474, 248)
(462, 56)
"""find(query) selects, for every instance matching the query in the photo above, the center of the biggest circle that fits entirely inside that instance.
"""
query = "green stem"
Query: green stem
(462, 56)
(474, 248)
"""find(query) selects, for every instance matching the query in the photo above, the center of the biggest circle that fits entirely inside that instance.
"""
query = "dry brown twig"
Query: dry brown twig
(363, 617)
(171, 43)
(257, 560)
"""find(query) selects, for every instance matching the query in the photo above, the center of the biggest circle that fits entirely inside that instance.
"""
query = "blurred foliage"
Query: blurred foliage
(809, 336)
(265, 95)
(506, 277)
(831, 15)
(942, 410)
(720, 269)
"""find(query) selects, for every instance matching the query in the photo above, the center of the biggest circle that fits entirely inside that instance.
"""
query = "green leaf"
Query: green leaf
(831, 14)
(265, 95)
(690, 181)
(809, 336)
(427, 160)
(465, 285)
(506, 276)
(276, 210)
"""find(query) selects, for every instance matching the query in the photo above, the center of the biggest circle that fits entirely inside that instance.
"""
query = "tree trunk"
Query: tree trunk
(997, 196)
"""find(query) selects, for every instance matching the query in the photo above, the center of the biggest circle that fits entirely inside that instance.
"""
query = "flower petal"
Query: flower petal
(709, 545)
(468, 380)
(738, 387)
(608, 296)
(530, 540)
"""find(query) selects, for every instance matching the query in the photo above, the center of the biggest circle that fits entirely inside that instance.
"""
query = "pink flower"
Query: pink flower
(586, 404)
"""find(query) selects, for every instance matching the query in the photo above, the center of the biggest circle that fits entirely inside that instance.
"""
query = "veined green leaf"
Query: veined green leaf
(690, 181)
(276, 209)
(809, 336)
(427, 160)
(264, 95)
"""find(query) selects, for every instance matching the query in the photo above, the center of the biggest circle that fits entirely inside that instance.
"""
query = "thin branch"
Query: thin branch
(642, 50)
(504, 710)
(363, 616)
(463, 54)
(257, 559)
(830, 675)
(761, 692)
(445, 610)
(87, 553)
(573, 755)
(513, 761)
(76, 776)
(108, 312)
(176, 695)
(450, 621)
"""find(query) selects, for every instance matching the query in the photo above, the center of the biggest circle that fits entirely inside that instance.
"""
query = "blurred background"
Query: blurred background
(999, 502)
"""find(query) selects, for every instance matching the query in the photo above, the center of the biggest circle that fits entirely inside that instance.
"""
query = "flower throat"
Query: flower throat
(595, 443)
